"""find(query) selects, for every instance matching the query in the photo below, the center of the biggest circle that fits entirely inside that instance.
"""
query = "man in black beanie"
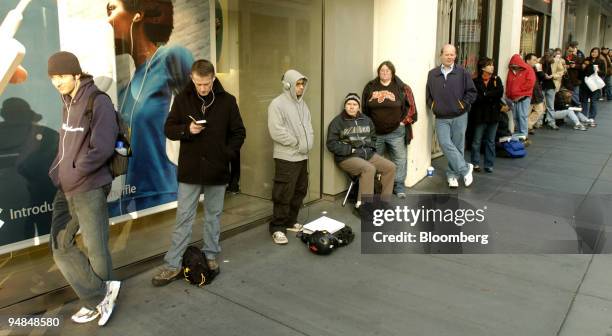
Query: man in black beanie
(80, 172)
(350, 138)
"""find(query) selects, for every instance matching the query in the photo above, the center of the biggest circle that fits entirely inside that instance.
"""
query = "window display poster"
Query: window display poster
(140, 53)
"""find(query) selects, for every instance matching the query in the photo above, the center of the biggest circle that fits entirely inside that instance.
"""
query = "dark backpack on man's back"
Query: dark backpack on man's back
(118, 163)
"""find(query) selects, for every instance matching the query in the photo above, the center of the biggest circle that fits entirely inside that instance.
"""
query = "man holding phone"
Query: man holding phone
(206, 119)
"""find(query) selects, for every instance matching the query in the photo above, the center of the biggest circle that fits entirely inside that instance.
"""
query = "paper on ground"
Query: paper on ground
(323, 223)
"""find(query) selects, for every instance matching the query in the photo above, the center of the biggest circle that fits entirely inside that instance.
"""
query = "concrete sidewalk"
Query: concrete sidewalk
(266, 289)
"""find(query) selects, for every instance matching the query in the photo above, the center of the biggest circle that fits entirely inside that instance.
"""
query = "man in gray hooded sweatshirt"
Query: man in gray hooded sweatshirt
(291, 130)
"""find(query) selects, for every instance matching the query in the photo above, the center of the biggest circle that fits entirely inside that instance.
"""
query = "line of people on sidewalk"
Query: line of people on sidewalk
(206, 120)
(539, 88)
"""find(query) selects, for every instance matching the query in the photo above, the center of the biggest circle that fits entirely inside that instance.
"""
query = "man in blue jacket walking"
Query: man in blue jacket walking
(450, 94)
(81, 173)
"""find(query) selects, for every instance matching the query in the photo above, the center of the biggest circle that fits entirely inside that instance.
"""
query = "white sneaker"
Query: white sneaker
(279, 238)
(591, 122)
(108, 304)
(296, 227)
(580, 127)
(468, 179)
(575, 109)
(452, 182)
(85, 315)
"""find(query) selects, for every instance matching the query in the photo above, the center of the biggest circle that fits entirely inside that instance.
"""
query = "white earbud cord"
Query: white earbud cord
(204, 106)
(144, 79)
(65, 133)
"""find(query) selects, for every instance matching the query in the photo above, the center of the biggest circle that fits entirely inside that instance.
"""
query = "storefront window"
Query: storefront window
(529, 34)
(468, 33)
(142, 65)
(265, 41)
(569, 33)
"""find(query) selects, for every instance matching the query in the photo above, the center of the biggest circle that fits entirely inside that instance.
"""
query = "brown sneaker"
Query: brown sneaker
(214, 267)
(165, 276)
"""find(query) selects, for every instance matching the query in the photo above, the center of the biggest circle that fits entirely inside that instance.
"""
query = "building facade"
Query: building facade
(337, 44)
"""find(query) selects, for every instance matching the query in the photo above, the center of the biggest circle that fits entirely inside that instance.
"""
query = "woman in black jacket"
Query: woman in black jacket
(589, 98)
(485, 113)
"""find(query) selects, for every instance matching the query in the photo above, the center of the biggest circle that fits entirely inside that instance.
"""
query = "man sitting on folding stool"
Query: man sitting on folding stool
(349, 138)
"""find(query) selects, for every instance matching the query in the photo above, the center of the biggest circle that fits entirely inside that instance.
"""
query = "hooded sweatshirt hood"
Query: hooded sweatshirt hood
(517, 60)
(519, 84)
(291, 77)
(289, 121)
(86, 141)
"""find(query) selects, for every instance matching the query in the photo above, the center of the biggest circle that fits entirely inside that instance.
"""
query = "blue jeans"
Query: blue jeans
(398, 153)
(520, 110)
(550, 106)
(451, 136)
(188, 198)
(576, 95)
(487, 133)
(88, 212)
(608, 87)
(589, 105)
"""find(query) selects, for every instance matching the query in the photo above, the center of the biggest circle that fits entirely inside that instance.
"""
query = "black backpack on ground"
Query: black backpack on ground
(118, 163)
(195, 267)
(323, 242)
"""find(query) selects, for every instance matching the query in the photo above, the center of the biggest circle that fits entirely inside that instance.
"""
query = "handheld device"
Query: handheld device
(199, 122)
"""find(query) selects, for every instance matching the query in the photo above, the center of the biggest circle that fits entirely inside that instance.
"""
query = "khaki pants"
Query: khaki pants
(537, 111)
(366, 170)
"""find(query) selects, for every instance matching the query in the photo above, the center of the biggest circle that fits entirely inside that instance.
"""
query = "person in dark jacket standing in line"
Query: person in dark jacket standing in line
(206, 119)
(290, 127)
(574, 70)
(485, 113)
(589, 99)
(349, 138)
(81, 173)
(605, 55)
(389, 102)
(450, 94)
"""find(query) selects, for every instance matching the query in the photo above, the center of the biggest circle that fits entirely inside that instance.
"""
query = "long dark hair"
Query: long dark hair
(389, 65)
(483, 62)
(598, 54)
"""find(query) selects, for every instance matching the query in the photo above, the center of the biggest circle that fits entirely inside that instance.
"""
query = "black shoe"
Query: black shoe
(552, 126)
(215, 270)
(234, 189)
(357, 212)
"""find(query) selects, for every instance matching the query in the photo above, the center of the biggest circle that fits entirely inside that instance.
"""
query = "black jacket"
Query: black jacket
(409, 111)
(346, 133)
(486, 108)
(588, 70)
(538, 94)
(547, 84)
(204, 157)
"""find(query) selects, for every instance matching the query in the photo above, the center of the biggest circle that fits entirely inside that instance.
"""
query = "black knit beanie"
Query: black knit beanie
(63, 63)
(352, 96)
